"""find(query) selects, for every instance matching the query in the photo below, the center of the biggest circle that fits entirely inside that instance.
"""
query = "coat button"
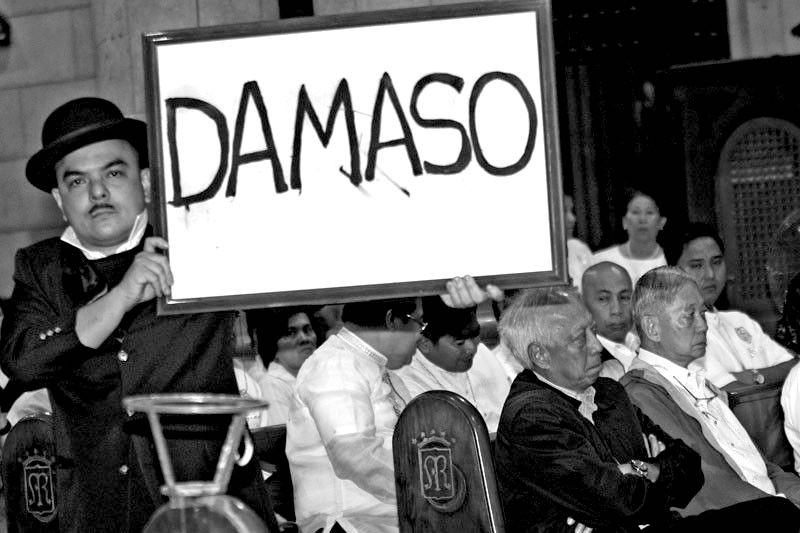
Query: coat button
(122, 355)
(123, 469)
(42, 336)
(57, 329)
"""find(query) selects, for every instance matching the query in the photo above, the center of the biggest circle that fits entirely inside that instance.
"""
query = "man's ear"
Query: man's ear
(144, 175)
(57, 197)
(393, 322)
(538, 355)
(651, 328)
(425, 345)
(663, 223)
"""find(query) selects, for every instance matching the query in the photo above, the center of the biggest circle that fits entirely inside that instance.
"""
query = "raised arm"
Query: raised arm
(338, 397)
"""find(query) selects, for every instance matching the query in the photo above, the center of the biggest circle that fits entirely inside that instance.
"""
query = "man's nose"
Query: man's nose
(98, 189)
(708, 272)
(701, 323)
(594, 344)
(471, 347)
(615, 307)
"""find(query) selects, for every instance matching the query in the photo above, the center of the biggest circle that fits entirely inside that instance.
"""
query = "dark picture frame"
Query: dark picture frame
(351, 157)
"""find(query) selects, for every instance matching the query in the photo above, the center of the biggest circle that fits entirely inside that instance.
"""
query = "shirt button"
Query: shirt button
(122, 355)
(123, 469)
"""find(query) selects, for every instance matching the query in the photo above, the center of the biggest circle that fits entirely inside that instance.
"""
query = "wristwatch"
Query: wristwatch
(640, 467)
(758, 377)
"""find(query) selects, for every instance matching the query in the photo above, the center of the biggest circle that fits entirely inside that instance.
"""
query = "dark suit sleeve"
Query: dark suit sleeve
(555, 460)
(38, 343)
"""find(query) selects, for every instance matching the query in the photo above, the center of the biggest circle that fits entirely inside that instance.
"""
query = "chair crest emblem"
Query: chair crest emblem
(441, 482)
(39, 481)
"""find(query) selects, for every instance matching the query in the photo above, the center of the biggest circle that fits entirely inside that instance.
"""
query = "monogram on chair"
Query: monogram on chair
(442, 484)
(40, 500)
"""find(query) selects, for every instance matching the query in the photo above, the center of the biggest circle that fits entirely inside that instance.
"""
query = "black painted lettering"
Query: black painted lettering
(214, 114)
(465, 155)
(304, 107)
(250, 90)
(530, 106)
(387, 87)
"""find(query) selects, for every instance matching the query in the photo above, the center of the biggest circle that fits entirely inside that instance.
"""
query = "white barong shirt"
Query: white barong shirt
(484, 385)
(339, 439)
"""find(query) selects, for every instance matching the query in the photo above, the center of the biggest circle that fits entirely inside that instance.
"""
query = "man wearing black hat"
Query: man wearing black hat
(82, 322)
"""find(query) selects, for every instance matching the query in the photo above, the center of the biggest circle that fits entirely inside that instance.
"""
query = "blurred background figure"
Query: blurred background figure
(284, 338)
(641, 252)
(328, 320)
(607, 293)
(579, 255)
(738, 351)
(787, 331)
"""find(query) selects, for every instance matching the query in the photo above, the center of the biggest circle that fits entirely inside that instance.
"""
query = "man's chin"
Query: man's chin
(592, 373)
(465, 365)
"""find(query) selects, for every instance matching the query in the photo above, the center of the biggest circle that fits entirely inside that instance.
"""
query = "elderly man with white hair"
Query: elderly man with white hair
(571, 447)
(669, 313)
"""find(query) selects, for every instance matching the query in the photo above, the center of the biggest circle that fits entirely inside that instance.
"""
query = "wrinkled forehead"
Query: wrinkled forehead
(642, 201)
(608, 278)
(470, 331)
(566, 318)
(687, 297)
(701, 248)
(298, 319)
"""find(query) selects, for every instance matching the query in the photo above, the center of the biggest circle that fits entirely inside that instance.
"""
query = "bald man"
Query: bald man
(607, 291)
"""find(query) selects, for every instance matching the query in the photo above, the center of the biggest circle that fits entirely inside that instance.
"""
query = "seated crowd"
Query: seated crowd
(659, 450)
(610, 408)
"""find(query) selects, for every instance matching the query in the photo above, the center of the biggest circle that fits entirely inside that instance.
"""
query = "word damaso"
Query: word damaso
(470, 139)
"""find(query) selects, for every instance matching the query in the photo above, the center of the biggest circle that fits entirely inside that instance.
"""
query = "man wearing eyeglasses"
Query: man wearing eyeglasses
(451, 357)
(344, 409)
(668, 310)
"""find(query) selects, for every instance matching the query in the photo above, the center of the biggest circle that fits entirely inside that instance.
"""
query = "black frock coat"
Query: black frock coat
(108, 475)
(552, 463)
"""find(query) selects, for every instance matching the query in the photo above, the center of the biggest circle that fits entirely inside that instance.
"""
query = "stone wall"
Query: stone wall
(62, 49)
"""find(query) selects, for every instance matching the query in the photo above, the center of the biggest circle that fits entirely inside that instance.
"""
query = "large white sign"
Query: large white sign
(341, 158)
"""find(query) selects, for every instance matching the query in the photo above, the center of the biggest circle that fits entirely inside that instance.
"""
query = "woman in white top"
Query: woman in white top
(285, 338)
(579, 255)
(641, 252)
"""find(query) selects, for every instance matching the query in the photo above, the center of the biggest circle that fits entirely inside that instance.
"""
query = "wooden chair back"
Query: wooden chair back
(29, 476)
(444, 469)
(270, 448)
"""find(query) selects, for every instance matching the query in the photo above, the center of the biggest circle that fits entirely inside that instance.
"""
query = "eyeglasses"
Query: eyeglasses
(696, 399)
(703, 407)
(421, 323)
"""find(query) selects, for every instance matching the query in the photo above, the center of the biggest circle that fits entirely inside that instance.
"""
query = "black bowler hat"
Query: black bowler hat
(74, 125)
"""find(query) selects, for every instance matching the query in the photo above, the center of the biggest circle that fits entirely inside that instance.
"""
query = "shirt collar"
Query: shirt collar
(569, 392)
(134, 238)
(694, 378)
(362, 347)
(587, 406)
